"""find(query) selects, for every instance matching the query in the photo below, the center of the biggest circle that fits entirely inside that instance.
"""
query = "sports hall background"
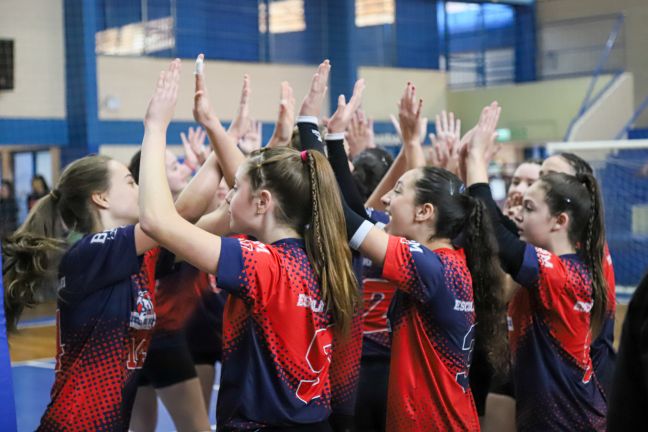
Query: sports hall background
(76, 75)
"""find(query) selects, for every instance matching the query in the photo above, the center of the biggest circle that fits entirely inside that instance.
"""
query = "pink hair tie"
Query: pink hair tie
(304, 156)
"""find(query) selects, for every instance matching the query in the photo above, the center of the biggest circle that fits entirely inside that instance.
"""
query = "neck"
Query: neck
(275, 233)
(107, 222)
(439, 244)
(435, 243)
(560, 246)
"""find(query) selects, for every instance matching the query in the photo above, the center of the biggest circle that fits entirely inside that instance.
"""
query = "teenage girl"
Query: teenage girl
(290, 290)
(439, 251)
(562, 305)
(105, 307)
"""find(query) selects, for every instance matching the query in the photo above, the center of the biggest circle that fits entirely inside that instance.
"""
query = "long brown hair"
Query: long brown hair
(31, 256)
(466, 220)
(580, 197)
(309, 201)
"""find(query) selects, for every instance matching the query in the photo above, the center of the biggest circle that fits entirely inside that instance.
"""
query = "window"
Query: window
(136, 39)
(285, 16)
(374, 12)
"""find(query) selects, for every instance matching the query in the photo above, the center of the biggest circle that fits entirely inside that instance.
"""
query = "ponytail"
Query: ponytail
(592, 250)
(31, 256)
(481, 251)
(326, 242)
(464, 219)
(308, 199)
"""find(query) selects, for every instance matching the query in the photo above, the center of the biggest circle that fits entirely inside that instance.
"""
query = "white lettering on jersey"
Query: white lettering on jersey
(544, 258)
(464, 306)
(103, 236)
(415, 246)
(309, 302)
(254, 246)
(582, 306)
(509, 323)
(61, 283)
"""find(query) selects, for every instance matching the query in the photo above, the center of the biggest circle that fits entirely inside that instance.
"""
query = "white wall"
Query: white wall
(635, 31)
(130, 82)
(36, 26)
(609, 114)
(385, 87)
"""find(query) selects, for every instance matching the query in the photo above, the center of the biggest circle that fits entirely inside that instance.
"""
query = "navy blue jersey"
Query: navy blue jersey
(550, 336)
(104, 320)
(433, 324)
(277, 337)
(205, 327)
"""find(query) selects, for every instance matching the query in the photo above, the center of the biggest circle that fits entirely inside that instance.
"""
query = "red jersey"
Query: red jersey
(433, 324)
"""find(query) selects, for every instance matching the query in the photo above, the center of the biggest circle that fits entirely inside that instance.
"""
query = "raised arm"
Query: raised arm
(338, 123)
(409, 118)
(224, 144)
(158, 216)
(477, 155)
(196, 198)
(311, 109)
(285, 122)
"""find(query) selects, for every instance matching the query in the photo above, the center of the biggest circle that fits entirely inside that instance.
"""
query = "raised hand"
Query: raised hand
(242, 122)
(312, 104)
(409, 115)
(251, 139)
(483, 140)
(162, 105)
(286, 121)
(341, 118)
(446, 143)
(480, 147)
(202, 110)
(194, 147)
(360, 134)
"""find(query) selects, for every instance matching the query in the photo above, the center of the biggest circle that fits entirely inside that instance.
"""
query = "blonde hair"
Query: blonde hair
(309, 201)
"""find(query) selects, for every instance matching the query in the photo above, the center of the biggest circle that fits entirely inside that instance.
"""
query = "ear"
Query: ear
(424, 212)
(561, 222)
(100, 200)
(264, 201)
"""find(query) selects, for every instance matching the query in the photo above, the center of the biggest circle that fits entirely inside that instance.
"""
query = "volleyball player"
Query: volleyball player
(563, 302)
(278, 328)
(441, 288)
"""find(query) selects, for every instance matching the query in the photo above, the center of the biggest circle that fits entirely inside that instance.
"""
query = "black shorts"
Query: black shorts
(168, 361)
(206, 357)
(505, 388)
(371, 405)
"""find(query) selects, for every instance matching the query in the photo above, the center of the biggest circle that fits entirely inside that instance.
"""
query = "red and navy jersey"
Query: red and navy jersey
(204, 330)
(550, 337)
(602, 350)
(277, 337)
(104, 320)
(347, 352)
(433, 325)
(377, 294)
(177, 296)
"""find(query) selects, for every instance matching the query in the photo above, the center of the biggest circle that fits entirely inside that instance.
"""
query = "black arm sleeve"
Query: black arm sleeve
(340, 164)
(309, 137)
(511, 248)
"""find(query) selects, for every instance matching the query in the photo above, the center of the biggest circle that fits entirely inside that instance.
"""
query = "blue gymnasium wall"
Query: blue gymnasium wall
(229, 31)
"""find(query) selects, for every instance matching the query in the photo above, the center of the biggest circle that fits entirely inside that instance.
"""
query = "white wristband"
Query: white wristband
(307, 119)
(360, 235)
(334, 136)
